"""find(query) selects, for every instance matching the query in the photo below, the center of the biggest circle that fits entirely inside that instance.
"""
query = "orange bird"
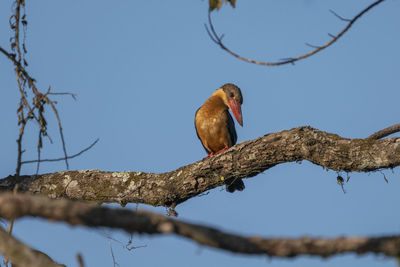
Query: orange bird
(214, 125)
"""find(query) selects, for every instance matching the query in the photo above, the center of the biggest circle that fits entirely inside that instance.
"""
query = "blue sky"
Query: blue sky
(141, 69)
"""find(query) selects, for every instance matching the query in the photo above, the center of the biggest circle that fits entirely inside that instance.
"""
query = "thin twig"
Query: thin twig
(20, 151)
(129, 246)
(64, 93)
(111, 249)
(38, 153)
(16, 25)
(79, 258)
(218, 40)
(338, 16)
(63, 158)
(384, 177)
(312, 46)
(61, 132)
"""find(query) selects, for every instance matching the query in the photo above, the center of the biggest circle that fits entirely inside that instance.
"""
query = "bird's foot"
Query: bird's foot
(211, 154)
(222, 150)
(214, 153)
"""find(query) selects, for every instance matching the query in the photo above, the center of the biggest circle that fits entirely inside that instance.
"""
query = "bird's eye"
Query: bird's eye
(232, 95)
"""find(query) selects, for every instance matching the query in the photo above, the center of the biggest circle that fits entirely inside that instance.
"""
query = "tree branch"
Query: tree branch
(385, 132)
(88, 214)
(59, 159)
(218, 40)
(243, 160)
(22, 255)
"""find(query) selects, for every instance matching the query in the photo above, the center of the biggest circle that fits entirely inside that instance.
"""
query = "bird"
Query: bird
(214, 124)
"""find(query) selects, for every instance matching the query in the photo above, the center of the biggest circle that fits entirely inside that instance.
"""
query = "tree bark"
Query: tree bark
(243, 160)
(21, 255)
(81, 213)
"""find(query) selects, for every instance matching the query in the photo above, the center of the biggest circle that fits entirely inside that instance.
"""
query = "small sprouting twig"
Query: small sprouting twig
(63, 158)
(64, 93)
(203, 194)
(331, 35)
(218, 39)
(338, 16)
(384, 177)
(347, 177)
(79, 258)
(312, 46)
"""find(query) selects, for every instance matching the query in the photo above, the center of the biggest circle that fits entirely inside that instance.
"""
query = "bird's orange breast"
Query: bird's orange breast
(213, 125)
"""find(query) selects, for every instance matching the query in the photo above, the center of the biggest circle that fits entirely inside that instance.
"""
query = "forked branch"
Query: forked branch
(216, 38)
(28, 111)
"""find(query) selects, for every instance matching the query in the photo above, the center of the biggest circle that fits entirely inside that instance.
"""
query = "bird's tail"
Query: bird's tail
(236, 184)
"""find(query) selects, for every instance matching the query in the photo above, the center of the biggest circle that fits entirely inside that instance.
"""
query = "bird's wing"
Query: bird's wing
(197, 132)
(231, 128)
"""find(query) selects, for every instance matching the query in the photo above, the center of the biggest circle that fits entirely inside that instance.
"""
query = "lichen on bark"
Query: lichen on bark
(243, 160)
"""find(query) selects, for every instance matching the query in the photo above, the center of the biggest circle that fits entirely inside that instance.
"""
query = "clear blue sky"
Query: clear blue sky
(142, 68)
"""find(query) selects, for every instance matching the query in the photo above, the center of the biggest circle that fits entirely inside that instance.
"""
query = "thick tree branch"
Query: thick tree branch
(218, 40)
(80, 213)
(244, 160)
(22, 255)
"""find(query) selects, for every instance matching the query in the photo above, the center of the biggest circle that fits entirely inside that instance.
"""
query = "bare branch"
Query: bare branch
(9, 55)
(312, 46)
(60, 130)
(39, 99)
(111, 249)
(218, 40)
(385, 132)
(22, 255)
(64, 93)
(15, 27)
(59, 159)
(243, 160)
(79, 258)
(338, 16)
(80, 213)
(332, 36)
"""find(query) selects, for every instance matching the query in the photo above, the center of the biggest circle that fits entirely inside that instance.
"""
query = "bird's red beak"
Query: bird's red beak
(236, 110)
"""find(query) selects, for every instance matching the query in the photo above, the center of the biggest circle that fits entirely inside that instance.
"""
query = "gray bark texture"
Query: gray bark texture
(22, 255)
(243, 160)
(13, 206)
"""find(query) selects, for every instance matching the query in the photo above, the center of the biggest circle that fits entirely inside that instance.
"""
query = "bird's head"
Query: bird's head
(234, 100)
